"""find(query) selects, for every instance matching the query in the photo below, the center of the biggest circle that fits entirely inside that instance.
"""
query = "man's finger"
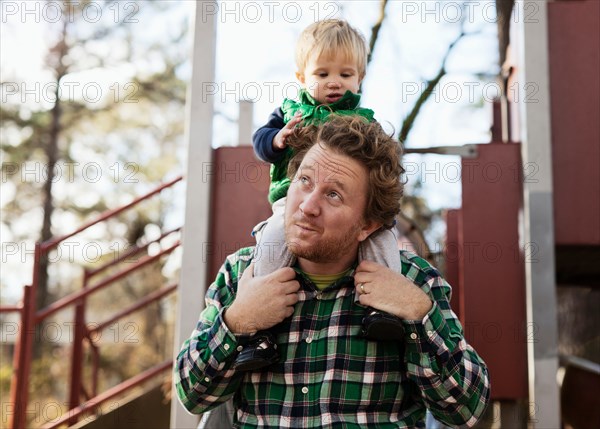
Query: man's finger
(364, 299)
(291, 286)
(367, 266)
(363, 277)
(284, 274)
(291, 299)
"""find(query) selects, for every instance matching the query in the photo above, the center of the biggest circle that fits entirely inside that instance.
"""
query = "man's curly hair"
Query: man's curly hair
(367, 143)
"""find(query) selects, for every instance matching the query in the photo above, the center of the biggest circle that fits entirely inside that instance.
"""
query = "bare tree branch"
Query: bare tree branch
(375, 30)
(409, 121)
(375, 33)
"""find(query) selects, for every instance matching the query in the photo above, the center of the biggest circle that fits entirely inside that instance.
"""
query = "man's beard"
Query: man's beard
(325, 251)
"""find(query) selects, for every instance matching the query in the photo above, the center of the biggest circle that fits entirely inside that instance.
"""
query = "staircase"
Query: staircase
(115, 407)
(144, 409)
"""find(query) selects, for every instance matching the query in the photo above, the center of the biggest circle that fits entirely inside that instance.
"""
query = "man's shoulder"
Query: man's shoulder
(408, 257)
(416, 267)
(243, 255)
(237, 262)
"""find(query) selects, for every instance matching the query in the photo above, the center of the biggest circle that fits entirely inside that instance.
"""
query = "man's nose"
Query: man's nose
(310, 204)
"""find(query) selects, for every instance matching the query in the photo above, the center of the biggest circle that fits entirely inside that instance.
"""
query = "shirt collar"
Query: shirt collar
(307, 284)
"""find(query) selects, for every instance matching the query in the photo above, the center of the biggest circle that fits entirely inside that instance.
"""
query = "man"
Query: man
(330, 374)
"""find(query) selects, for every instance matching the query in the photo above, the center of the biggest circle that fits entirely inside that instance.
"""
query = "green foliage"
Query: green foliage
(5, 377)
(107, 151)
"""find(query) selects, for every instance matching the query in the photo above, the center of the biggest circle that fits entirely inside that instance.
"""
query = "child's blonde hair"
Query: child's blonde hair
(332, 37)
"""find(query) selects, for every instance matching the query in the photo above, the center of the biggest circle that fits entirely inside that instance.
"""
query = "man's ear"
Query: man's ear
(367, 229)
(300, 77)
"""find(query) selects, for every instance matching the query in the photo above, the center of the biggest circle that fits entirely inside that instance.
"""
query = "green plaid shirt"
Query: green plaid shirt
(329, 375)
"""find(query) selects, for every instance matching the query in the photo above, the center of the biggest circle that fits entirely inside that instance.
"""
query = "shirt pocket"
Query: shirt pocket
(363, 376)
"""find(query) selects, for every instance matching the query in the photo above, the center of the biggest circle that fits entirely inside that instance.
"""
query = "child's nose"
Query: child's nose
(333, 84)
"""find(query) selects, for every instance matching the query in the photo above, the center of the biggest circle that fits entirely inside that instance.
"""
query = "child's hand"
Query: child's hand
(282, 135)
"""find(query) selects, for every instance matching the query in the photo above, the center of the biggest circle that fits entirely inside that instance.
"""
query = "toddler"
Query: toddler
(331, 60)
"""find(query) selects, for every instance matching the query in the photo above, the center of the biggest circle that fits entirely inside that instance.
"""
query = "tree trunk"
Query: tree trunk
(52, 156)
(50, 145)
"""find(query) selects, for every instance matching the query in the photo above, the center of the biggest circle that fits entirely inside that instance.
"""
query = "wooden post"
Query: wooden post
(198, 135)
(245, 123)
(531, 43)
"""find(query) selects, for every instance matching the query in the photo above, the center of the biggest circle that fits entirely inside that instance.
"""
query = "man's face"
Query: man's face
(324, 216)
(327, 79)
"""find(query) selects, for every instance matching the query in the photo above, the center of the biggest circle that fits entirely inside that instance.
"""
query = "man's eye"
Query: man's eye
(334, 195)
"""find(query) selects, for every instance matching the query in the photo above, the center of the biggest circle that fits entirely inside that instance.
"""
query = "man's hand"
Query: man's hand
(283, 134)
(386, 290)
(262, 302)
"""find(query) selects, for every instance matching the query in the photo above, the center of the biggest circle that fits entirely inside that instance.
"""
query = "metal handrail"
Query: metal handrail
(53, 242)
(30, 318)
(75, 296)
(577, 362)
(129, 253)
(149, 299)
(110, 393)
(91, 333)
(11, 308)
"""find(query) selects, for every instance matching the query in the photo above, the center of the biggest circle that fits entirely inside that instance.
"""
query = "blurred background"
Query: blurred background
(496, 103)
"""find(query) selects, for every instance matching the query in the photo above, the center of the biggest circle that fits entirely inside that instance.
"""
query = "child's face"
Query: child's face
(328, 78)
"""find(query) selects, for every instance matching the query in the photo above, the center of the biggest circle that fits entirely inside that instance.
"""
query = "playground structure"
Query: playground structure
(543, 212)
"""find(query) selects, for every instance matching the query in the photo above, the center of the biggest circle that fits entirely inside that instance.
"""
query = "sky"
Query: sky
(255, 60)
(252, 63)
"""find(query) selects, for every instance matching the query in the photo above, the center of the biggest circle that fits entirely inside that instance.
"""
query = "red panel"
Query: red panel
(452, 259)
(574, 46)
(492, 271)
(240, 184)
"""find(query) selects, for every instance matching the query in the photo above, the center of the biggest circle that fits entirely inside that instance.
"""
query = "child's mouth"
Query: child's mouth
(332, 98)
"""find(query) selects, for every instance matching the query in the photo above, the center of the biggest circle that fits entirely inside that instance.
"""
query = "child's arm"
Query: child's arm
(262, 139)
(269, 140)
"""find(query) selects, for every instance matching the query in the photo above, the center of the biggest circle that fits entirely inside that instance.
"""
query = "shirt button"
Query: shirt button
(207, 379)
(413, 336)
(226, 346)
(239, 348)
(429, 333)
(319, 296)
(309, 340)
(305, 390)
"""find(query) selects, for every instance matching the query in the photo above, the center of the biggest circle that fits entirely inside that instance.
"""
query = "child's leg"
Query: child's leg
(381, 247)
(271, 252)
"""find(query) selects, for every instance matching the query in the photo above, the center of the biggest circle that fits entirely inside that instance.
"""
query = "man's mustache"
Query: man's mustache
(305, 222)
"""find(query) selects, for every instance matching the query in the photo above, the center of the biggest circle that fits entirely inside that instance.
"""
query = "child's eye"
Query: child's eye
(322, 74)
(346, 75)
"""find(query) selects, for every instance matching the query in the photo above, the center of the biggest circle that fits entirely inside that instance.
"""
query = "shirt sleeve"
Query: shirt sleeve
(452, 378)
(204, 377)
(262, 139)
